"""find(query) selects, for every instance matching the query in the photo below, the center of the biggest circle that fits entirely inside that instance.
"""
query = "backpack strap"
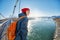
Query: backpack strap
(19, 18)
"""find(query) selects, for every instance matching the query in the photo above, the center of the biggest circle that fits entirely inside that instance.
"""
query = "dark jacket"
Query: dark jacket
(21, 30)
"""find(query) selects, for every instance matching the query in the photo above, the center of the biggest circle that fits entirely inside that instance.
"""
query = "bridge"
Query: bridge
(3, 29)
(6, 22)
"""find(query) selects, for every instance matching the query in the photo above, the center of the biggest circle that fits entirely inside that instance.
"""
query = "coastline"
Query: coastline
(57, 31)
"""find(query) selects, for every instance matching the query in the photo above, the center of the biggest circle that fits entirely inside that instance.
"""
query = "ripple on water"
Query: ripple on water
(41, 29)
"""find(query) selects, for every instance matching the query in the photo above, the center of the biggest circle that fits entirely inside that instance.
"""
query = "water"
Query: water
(41, 29)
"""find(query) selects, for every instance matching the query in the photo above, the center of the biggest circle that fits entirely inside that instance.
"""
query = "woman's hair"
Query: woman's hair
(24, 13)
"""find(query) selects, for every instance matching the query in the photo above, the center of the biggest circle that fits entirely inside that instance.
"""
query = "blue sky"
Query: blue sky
(38, 7)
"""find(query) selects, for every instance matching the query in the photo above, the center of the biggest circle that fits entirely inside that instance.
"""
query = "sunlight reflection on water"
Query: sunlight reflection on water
(41, 29)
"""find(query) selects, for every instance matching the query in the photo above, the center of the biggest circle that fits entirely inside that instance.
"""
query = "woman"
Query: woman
(21, 30)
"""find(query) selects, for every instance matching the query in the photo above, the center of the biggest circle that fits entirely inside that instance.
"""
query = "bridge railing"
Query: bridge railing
(3, 29)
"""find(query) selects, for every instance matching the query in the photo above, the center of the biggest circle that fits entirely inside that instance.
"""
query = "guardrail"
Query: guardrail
(3, 29)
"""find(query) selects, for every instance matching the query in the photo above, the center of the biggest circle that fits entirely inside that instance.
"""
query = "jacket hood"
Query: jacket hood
(21, 14)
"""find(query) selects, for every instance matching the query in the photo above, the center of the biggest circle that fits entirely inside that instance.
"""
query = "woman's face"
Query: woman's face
(27, 12)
